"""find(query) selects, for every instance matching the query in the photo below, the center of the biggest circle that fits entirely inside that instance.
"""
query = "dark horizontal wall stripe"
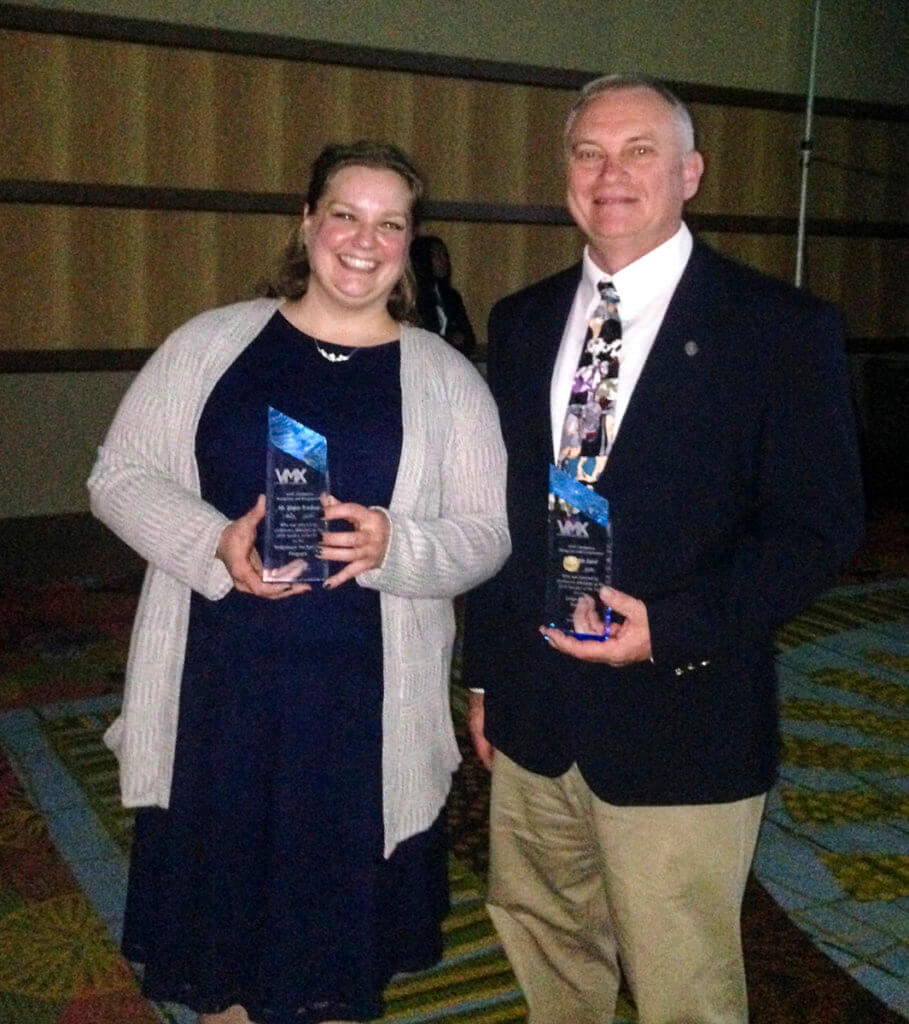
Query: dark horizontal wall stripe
(122, 360)
(495, 213)
(142, 197)
(73, 361)
(159, 33)
(147, 197)
(66, 193)
(818, 227)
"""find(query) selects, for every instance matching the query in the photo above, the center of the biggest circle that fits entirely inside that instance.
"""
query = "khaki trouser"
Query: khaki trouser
(578, 885)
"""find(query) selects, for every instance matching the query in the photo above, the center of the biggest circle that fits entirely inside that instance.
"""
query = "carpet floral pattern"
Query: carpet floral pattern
(59, 964)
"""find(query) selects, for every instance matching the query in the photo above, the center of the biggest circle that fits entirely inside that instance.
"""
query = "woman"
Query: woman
(439, 304)
(290, 748)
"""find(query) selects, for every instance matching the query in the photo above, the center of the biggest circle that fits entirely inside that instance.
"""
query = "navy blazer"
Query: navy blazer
(735, 495)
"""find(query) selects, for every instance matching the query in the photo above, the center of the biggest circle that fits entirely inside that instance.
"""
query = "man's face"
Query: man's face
(628, 176)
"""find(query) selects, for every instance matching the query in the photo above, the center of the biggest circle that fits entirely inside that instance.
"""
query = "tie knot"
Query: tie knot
(607, 291)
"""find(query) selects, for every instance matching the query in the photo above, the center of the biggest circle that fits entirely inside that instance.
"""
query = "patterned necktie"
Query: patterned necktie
(590, 420)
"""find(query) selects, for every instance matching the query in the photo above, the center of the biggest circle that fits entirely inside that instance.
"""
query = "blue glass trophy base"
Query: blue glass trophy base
(297, 477)
(579, 558)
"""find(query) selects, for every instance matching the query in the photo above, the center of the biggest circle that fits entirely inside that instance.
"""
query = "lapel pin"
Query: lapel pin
(691, 348)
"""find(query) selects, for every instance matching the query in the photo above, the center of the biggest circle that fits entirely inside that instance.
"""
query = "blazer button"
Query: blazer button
(691, 348)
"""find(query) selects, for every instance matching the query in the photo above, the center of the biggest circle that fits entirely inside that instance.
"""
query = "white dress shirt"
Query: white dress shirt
(645, 288)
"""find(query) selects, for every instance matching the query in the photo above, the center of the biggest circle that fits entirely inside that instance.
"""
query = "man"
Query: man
(629, 775)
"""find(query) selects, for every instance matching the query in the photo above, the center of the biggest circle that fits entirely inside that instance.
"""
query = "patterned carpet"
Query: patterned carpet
(64, 838)
(825, 919)
(833, 850)
(63, 890)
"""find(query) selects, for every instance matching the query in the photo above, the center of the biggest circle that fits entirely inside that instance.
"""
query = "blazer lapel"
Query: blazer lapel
(679, 342)
(544, 327)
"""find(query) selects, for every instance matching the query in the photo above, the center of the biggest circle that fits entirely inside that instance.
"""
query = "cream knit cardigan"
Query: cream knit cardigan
(448, 533)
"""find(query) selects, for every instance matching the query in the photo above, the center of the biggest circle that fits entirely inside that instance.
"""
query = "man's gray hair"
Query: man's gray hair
(613, 83)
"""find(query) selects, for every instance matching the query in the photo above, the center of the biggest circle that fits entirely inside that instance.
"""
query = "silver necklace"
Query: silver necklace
(332, 357)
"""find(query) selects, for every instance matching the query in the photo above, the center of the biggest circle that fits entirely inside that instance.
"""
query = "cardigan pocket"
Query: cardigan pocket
(425, 678)
(435, 620)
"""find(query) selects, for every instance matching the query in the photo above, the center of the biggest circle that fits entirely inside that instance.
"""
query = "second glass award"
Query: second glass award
(580, 558)
(297, 475)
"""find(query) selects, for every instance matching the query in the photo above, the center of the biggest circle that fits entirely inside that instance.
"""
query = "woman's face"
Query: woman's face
(357, 237)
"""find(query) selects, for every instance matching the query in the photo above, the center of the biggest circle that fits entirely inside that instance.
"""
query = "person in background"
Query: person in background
(710, 406)
(289, 748)
(440, 306)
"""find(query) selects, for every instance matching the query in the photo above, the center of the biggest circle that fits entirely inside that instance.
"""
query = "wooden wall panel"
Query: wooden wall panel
(131, 276)
(112, 279)
(249, 136)
(441, 143)
(91, 278)
(108, 138)
(123, 113)
(98, 279)
(314, 106)
(545, 132)
(98, 111)
(36, 277)
(199, 260)
(752, 161)
(181, 269)
(182, 118)
(247, 250)
(108, 283)
(35, 99)
(381, 106)
(866, 278)
(181, 131)
(115, 113)
(497, 129)
(859, 170)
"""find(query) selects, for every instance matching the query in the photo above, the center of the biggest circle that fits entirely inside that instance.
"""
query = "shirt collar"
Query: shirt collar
(647, 277)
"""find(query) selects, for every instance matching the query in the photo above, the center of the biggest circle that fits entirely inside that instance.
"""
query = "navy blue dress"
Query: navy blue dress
(264, 883)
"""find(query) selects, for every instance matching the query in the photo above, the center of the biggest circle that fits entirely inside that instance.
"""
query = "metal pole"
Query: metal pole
(805, 152)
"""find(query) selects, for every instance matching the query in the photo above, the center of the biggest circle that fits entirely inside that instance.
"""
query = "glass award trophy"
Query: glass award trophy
(297, 474)
(580, 558)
